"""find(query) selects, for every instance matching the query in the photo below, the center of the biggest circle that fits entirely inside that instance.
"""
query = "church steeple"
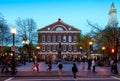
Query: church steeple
(112, 22)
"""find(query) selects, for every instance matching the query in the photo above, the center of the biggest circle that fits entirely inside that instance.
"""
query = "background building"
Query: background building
(55, 35)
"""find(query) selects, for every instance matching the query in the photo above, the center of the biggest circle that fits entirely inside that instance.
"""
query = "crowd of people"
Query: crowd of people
(7, 66)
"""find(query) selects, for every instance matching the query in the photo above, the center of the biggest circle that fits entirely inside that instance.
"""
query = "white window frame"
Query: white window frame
(59, 38)
(59, 28)
(48, 47)
(75, 48)
(54, 47)
(69, 38)
(43, 38)
(43, 47)
(64, 38)
(69, 47)
(48, 38)
(64, 47)
(75, 39)
(54, 38)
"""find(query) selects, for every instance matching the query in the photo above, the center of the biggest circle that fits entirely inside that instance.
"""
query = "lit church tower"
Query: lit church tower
(112, 22)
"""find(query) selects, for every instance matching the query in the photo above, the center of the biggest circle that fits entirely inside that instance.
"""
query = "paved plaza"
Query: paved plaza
(25, 73)
(26, 70)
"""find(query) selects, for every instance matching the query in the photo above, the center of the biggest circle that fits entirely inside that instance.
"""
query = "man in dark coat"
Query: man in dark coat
(74, 70)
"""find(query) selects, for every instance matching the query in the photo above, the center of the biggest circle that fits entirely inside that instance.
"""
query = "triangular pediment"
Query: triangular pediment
(59, 26)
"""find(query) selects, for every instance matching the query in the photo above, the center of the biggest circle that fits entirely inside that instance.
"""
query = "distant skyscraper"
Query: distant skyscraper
(112, 22)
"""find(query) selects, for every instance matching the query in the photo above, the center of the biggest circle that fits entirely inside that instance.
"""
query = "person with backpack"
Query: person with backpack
(74, 70)
(60, 67)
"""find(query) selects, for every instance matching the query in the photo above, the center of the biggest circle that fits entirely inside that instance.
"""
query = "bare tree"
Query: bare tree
(27, 30)
(104, 37)
(5, 36)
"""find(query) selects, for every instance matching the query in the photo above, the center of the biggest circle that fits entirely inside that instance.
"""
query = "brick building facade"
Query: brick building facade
(49, 38)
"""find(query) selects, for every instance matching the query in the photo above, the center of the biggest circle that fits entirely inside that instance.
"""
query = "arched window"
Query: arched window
(48, 48)
(48, 38)
(64, 38)
(64, 47)
(43, 48)
(69, 48)
(74, 39)
(75, 48)
(69, 39)
(43, 38)
(54, 47)
(54, 38)
(59, 38)
(59, 29)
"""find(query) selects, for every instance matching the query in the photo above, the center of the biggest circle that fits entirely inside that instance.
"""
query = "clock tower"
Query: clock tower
(112, 22)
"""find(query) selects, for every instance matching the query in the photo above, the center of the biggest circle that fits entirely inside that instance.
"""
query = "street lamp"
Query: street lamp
(81, 49)
(38, 49)
(103, 49)
(24, 42)
(91, 47)
(13, 31)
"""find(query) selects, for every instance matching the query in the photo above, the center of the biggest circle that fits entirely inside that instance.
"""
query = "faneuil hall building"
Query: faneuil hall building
(55, 34)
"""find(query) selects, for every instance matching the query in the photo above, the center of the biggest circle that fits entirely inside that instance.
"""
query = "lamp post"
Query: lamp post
(38, 49)
(24, 45)
(91, 47)
(103, 49)
(13, 31)
(59, 52)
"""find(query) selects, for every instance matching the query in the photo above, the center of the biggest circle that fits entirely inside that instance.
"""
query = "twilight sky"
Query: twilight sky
(72, 12)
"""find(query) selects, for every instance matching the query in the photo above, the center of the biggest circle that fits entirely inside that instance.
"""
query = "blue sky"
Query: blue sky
(73, 12)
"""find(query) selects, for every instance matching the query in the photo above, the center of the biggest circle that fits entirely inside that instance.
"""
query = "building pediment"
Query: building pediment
(59, 26)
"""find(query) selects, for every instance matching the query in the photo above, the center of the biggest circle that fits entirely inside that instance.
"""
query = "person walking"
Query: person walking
(5, 64)
(93, 65)
(74, 70)
(89, 63)
(83, 63)
(36, 67)
(60, 67)
(112, 65)
(115, 70)
(49, 66)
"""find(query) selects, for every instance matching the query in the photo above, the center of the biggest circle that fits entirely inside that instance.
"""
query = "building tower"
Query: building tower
(112, 22)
